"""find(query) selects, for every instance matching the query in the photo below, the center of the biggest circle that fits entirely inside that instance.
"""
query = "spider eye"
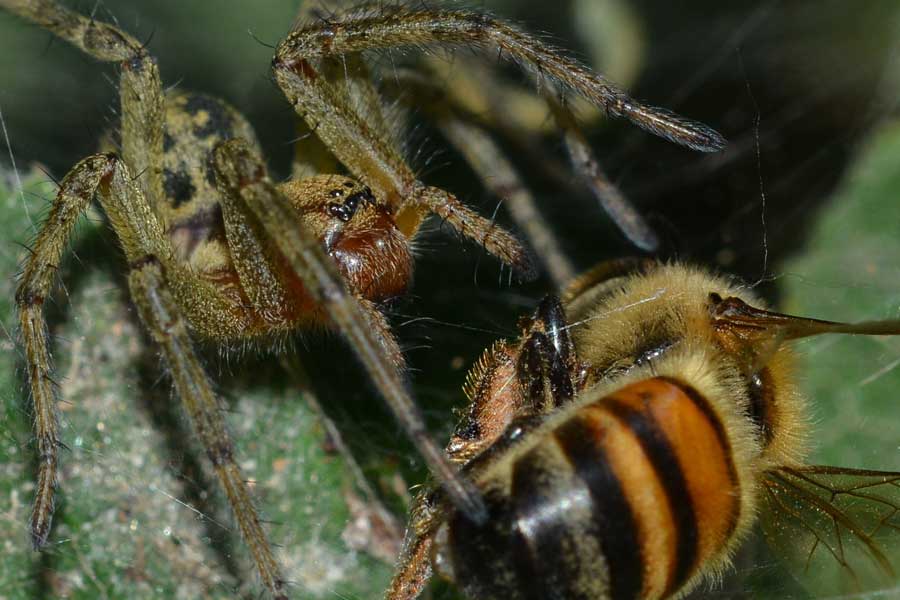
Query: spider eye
(347, 208)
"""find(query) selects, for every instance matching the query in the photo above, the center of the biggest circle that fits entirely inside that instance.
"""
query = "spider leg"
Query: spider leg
(474, 85)
(466, 132)
(375, 159)
(260, 269)
(243, 176)
(470, 138)
(581, 156)
(626, 217)
(147, 249)
(160, 314)
(499, 175)
(142, 103)
(138, 228)
(379, 324)
(352, 73)
(469, 223)
(75, 194)
(373, 28)
(614, 203)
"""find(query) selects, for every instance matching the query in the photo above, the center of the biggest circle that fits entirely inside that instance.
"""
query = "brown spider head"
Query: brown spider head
(358, 231)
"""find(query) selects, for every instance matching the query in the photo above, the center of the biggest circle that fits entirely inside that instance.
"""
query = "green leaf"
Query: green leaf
(850, 271)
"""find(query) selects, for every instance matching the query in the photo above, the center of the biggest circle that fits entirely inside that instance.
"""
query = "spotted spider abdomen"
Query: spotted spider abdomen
(190, 210)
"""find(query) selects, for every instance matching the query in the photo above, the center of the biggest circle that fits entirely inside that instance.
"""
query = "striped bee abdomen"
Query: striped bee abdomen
(624, 499)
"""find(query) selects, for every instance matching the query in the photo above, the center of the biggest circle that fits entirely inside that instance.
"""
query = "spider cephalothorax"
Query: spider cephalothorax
(357, 230)
(217, 251)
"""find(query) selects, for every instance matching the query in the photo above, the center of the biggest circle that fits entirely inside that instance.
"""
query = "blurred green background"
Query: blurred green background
(806, 200)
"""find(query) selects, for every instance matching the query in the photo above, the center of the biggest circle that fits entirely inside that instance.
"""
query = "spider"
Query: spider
(217, 251)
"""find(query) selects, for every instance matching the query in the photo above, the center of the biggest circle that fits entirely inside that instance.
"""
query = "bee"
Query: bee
(627, 443)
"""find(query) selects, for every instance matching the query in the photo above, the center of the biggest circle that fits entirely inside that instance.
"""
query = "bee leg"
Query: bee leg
(518, 382)
(546, 365)
(553, 321)
(414, 566)
(542, 375)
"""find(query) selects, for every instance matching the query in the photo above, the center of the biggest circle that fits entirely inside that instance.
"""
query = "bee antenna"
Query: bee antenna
(737, 313)
(810, 327)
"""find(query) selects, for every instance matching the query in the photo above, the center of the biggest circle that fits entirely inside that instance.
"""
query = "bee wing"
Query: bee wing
(838, 529)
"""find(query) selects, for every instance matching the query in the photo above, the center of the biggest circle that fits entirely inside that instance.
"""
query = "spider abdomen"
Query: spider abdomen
(191, 213)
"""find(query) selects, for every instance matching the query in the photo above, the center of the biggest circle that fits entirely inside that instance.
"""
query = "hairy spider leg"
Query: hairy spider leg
(139, 80)
(243, 176)
(161, 315)
(582, 157)
(353, 75)
(400, 26)
(352, 80)
(471, 138)
(142, 103)
(481, 152)
(503, 114)
(469, 134)
(500, 176)
(150, 255)
(330, 115)
(415, 90)
(377, 161)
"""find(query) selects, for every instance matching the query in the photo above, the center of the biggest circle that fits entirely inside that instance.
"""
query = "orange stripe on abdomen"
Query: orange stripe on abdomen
(683, 440)
(643, 493)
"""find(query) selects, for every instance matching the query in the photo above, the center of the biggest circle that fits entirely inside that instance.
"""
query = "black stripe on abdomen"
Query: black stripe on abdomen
(547, 547)
(716, 423)
(612, 516)
(721, 435)
(668, 470)
(479, 552)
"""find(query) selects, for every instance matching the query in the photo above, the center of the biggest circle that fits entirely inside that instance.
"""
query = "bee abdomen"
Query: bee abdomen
(628, 498)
